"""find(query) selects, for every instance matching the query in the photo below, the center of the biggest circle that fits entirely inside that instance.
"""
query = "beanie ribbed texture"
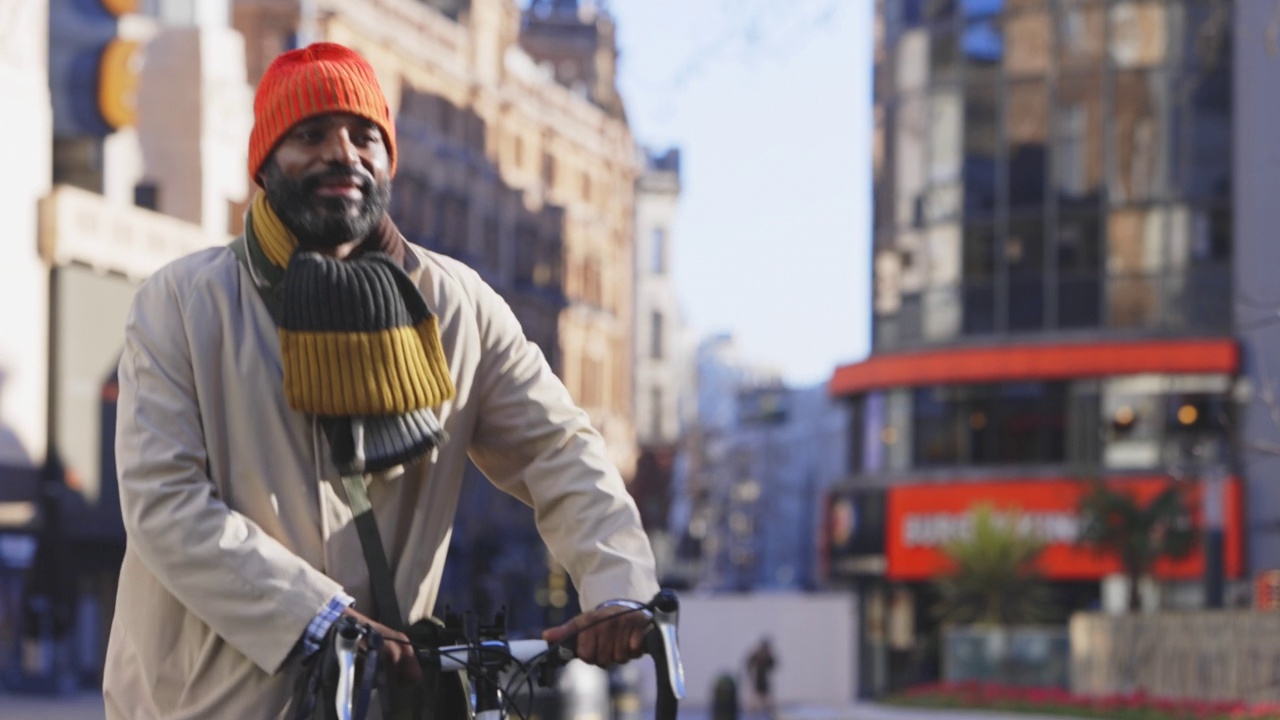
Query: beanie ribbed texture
(315, 80)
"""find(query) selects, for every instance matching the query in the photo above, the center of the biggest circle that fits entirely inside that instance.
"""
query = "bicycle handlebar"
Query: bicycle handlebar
(492, 655)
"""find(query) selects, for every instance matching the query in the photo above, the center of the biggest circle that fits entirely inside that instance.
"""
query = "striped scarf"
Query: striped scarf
(361, 350)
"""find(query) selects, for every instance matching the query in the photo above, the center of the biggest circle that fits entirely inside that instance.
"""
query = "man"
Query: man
(259, 381)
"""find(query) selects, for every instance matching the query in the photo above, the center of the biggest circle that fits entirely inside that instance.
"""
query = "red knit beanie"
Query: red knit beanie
(318, 79)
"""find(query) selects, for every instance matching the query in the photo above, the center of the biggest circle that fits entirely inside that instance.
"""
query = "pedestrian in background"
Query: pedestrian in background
(760, 666)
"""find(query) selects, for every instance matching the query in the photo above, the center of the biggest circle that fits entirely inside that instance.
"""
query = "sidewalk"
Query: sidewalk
(869, 711)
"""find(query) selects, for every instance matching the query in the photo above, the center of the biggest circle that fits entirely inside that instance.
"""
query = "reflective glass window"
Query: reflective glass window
(1027, 123)
(1140, 144)
(1082, 33)
(1134, 267)
(1024, 256)
(909, 148)
(1139, 33)
(1203, 134)
(1028, 43)
(981, 8)
(982, 43)
(1079, 140)
(978, 294)
(981, 149)
(944, 55)
(1079, 247)
(938, 428)
(938, 11)
(881, 170)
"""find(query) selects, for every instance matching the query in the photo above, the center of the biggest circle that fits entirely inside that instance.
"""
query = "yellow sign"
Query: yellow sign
(118, 75)
(120, 7)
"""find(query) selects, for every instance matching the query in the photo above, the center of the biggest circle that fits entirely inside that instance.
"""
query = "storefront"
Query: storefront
(888, 544)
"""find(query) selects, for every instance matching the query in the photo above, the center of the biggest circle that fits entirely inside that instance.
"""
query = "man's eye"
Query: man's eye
(307, 135)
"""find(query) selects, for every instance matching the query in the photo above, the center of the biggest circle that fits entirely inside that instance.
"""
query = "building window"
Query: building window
(592, 377)
(1006, 424)
(146, 195)
(549, 171)
(655, 413)
(658, 251)
(655, 336)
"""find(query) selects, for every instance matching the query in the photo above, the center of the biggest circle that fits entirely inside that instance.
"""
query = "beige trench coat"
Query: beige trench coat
(238, 526)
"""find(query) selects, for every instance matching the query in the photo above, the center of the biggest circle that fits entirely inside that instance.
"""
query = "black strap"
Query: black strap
(380, 579)
(386, 608)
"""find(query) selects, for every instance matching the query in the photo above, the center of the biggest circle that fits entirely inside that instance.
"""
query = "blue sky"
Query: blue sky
(769, 101)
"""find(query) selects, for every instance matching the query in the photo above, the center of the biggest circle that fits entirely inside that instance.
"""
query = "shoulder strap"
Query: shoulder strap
(387, 609)
(384, 590)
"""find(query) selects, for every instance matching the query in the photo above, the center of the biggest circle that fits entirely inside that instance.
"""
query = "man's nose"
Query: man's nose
(338, 148)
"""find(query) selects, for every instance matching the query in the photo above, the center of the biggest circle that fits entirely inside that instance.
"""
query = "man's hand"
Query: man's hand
(617, 638)
(402, 663)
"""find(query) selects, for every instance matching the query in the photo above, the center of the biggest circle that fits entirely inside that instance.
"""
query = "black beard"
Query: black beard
(296, 203)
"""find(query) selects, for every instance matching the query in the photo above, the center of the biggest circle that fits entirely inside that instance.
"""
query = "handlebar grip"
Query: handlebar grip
(662, 645)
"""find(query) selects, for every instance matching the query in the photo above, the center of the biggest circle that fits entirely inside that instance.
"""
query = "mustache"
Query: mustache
(339, 174)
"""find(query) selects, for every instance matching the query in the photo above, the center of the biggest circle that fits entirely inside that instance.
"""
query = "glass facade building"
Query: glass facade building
(1053, 166)
(1055, 300)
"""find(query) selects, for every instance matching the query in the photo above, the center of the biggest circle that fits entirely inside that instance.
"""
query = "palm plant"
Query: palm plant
(994, 580)
(1117, 523)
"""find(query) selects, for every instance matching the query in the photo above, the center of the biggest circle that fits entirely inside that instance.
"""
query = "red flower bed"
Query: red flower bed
(1056, 701)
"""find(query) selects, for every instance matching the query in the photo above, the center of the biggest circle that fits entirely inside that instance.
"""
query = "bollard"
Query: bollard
(724, 703)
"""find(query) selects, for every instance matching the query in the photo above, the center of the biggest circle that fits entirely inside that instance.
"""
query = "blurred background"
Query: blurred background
(853, 289)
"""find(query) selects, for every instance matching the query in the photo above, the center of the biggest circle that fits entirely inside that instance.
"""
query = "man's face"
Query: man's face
(329, 179)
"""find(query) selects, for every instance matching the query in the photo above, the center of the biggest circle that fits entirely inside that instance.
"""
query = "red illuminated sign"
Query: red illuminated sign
(923, 518)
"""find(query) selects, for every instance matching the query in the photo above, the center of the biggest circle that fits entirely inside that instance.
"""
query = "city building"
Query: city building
(754, 466)
(1072, 267)
(659, 360)
(134, 123)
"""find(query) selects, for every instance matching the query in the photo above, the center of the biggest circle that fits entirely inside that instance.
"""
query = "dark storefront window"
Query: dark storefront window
(1007, 424)
(1135, 422)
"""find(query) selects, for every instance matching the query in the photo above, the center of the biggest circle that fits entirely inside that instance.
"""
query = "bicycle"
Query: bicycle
(485, 654)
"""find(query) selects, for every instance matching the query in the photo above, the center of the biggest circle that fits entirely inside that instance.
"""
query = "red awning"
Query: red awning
(1011, 363)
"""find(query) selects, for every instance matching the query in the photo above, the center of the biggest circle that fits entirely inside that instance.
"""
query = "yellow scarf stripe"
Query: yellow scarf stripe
(437, 368)
(377, 373)
(274, 238)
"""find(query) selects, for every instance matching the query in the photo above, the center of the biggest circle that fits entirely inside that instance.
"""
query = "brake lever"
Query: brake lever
(666, 616)
(345, 646)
